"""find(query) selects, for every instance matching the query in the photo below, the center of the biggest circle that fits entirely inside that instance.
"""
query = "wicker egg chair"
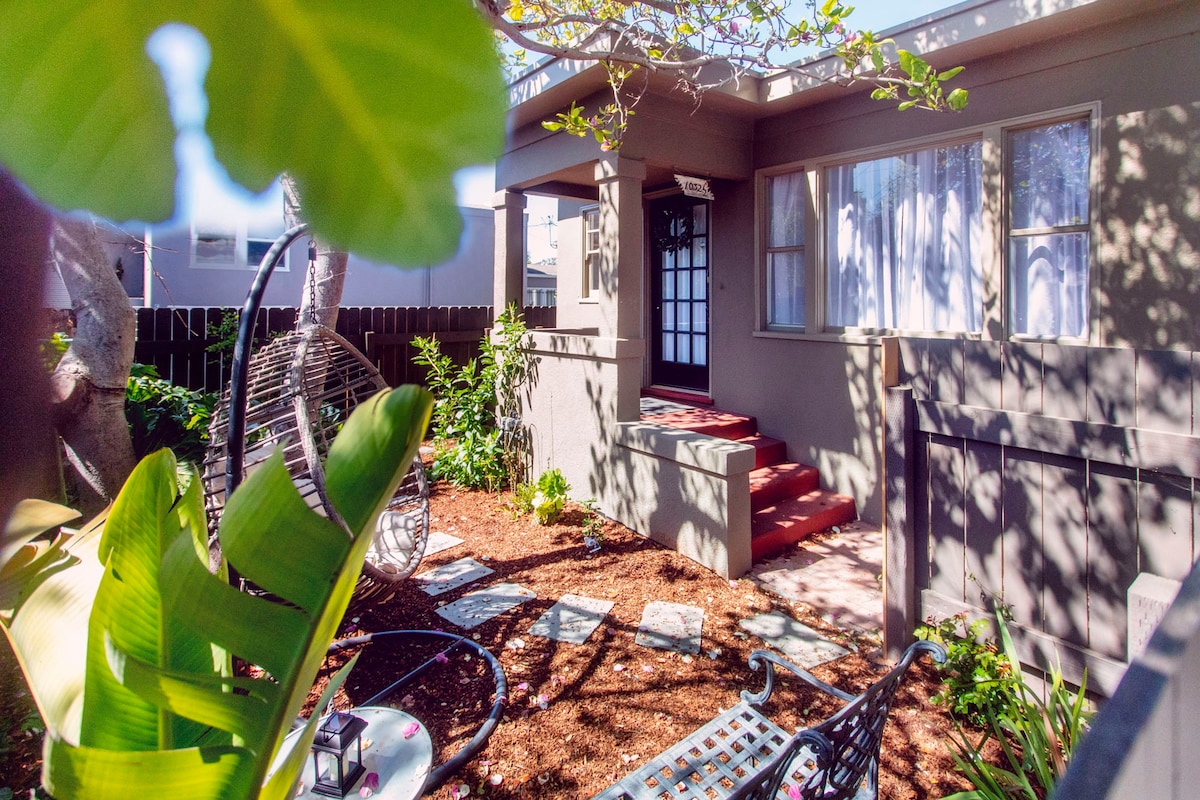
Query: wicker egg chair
(294, 394)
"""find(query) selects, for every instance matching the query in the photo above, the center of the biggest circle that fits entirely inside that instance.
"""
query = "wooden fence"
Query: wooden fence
(176, 340)
(1042, 477)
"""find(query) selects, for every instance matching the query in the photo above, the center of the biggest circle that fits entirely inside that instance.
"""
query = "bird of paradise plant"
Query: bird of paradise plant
(126, 638)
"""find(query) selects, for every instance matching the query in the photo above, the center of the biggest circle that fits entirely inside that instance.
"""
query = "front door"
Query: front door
(679, 294)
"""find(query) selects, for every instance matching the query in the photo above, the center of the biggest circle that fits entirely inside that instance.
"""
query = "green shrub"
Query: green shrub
(1036, 737)
(975, 673)
(469, 447)
(161, 414)
(544, 499)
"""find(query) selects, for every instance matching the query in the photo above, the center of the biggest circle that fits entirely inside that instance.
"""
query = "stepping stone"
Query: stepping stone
(438, 541)
(671, 626)
(800, 643)
(481, 605)
(448, 577)
(572, 619)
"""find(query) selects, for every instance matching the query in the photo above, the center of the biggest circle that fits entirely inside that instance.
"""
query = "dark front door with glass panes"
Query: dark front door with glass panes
(679, 295)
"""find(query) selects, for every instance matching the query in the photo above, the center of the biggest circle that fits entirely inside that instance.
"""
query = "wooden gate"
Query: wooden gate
(1044, 477)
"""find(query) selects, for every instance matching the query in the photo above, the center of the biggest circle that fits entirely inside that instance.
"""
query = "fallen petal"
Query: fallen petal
(618, 667)
(441, 658)
(370, 785)
(496, 779)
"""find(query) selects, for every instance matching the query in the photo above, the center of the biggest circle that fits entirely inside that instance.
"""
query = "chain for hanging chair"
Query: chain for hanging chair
(298, 391)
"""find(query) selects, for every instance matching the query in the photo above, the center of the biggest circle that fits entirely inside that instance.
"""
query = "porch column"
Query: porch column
(509, 265)
(620, 184)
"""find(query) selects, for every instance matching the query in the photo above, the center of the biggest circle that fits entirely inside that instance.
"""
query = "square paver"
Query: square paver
(481, 605)
(671, 626)
(438, 541)
(447, 577)
(800, 643)
(572, 619)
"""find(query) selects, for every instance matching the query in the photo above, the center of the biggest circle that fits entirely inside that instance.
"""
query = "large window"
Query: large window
(930, 239)
(903, 239)
(591, 254)
(1049, 189)
(785, 250)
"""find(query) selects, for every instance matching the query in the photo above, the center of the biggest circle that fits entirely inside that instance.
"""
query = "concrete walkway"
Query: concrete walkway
(838, 577)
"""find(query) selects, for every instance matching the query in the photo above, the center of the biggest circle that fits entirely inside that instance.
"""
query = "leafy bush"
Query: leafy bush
(546, 498)
(1036, 737)
(469, 447)
(161, 414)
(976, 674)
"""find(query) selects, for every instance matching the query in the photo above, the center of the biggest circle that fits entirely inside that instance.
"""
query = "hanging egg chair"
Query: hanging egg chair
(294, 394)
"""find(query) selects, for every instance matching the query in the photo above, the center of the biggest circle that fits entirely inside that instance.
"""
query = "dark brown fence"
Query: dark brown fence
(176, 340)
(1045, 478)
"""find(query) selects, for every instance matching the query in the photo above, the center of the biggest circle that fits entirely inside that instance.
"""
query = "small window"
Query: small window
(231, 249)
(1049, 213)
(785, 250)
(591, 254)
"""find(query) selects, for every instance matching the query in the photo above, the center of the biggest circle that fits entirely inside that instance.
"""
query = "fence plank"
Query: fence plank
(1111, 382)
(1064, 546)
(1065, 372)
(983, 478)
(947, 520)
(1024, 561)
(1164, 390)
(1113, 444)
(982, 370)
(1021, 381)
(1111, 555)
(1165, 525)
(899, 587)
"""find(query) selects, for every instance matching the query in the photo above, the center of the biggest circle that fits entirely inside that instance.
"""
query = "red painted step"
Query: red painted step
(709, 421)
(768, 451)
(772, 485)
(774, 529)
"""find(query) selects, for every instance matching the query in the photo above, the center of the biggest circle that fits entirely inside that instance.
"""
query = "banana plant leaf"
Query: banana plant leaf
(128, 647)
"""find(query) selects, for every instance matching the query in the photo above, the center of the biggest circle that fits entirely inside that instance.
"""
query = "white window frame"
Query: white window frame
(242, 240)
(996, 169)
(589, 285)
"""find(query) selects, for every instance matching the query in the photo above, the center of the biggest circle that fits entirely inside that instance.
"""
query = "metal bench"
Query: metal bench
(742, 754)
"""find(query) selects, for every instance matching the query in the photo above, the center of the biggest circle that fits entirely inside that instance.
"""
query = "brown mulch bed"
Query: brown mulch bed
(581, 716)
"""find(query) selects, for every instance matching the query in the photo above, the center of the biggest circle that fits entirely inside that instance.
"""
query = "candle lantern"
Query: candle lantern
(335, 767)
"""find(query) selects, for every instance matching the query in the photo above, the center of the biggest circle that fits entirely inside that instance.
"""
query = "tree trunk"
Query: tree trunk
(26, 440)
(88, 387)
(326, 277)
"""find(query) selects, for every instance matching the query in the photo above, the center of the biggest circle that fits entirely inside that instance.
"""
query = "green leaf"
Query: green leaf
(906, 105)
(199, 773)
(83, 116)
(948, 74)
(906, 61)
(957, 99)
(373, 452)
(877, 58)
(388, 111)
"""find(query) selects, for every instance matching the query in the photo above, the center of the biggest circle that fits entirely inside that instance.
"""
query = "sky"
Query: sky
(205, 190)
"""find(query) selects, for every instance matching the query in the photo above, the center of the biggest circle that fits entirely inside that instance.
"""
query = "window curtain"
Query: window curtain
(904, 238)
(1048, 265)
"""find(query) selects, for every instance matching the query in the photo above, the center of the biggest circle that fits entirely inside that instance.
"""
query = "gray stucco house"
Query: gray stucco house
(1059, 207)
(979, 326)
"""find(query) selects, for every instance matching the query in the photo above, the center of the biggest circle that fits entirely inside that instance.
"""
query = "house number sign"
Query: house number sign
(695, 187)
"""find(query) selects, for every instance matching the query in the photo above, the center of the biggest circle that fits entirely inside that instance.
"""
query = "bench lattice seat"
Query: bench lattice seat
(742, 754)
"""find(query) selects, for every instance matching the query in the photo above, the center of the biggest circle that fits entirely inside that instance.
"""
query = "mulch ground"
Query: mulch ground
(580, 716)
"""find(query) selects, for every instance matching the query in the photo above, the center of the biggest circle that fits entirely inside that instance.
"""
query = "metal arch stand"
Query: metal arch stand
(240, 376)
